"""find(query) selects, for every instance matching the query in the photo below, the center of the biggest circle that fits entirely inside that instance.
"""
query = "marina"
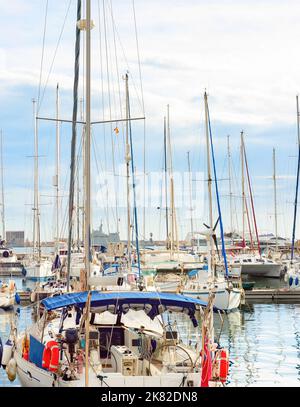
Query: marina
(149, 226)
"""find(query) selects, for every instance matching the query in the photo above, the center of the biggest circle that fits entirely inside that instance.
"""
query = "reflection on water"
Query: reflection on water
(263, 341)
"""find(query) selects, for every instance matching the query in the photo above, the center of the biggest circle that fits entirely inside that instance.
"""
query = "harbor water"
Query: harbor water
(263, 342)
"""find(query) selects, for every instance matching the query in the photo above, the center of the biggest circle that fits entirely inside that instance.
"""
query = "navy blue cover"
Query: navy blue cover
(36, 349)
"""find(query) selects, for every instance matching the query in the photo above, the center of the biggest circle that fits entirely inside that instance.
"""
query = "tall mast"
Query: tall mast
(297, 184)
(166, 180)
(190, 194)
(251, 199)
(128, 159)
(2, 191)
(275, 197)
(243, 189)
(87, 152)
(230, 188)
(36, 225)
(83, 165)
(298, 118)
(57, 185)
(209, 184)
(174, 233)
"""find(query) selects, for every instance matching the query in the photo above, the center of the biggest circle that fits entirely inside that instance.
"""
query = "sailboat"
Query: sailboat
(8, 259)
(292, 276)
(107, 339)
(251, 262)
(38, 268)
(227, 297)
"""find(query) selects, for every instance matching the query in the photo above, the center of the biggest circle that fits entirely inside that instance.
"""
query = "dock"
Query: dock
(270, 295)
(11, 269)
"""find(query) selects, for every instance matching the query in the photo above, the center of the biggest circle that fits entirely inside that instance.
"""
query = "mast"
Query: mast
(36, 225)
(251, 199)
(174, 234)
(190, 193)
(243, 190)
(74, 137)
(140, 279)
(56, 183)
(2, 191)
(166, 181)
(128, 159)
(87, 149)
(83, 165)
(230, 188)
(275, 197)
(297, 184)
(209, 185)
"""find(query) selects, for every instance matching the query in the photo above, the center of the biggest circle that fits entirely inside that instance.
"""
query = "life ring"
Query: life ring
(51, 356)
(222, 365)
(25, 348)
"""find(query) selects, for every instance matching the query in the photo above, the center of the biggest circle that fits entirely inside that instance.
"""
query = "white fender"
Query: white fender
(11, 370)
(7, 352)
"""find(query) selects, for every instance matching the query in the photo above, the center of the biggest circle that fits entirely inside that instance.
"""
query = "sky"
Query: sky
(243, 53)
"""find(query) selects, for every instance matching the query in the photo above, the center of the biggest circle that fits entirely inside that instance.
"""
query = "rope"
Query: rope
(217, 193)
(54, 57)
(134, 186)
(251, 198)
(295, 207)
(43, 52)
(74, 136)
(103, 115)
(110, 115)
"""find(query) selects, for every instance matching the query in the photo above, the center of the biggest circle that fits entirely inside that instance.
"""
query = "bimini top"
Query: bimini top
(152, 303)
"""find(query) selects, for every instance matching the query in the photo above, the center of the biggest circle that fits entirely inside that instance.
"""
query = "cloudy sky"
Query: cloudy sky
(244, 53)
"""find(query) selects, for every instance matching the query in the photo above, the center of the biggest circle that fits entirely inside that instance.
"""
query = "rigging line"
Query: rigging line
(118, 76)
(95, 148)
(251, 199)
(138, 55)
(43, 53)
(127, 63)
(217, 194)
(103, 109)
(110, 115)
(74, 138)
(54, 57)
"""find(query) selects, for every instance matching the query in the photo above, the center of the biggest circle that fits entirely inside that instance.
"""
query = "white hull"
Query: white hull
(262, 270)
(7, 300)
(225, 300)
(32, 376)
(39, 271)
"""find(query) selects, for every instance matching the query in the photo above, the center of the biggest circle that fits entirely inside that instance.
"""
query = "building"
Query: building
(15, 238)
(99, 238)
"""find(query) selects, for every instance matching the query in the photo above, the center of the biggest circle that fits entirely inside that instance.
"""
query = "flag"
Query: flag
(56, 264)
(206, 372)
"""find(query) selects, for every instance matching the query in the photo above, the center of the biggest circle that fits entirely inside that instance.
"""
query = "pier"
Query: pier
(270, 295)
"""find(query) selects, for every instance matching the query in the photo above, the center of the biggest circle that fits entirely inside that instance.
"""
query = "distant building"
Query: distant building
(15, 238)
(99, 238)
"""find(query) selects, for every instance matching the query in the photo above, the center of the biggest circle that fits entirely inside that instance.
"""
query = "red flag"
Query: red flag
(206, 373)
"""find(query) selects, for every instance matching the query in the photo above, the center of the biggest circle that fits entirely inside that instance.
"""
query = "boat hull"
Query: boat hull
(225, 299)
(262, 270)
(32, 376)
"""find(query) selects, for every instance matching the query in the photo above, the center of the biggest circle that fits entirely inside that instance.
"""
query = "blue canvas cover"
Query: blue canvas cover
(36, 349)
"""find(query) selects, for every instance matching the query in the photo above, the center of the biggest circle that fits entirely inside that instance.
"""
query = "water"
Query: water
(263, 341)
